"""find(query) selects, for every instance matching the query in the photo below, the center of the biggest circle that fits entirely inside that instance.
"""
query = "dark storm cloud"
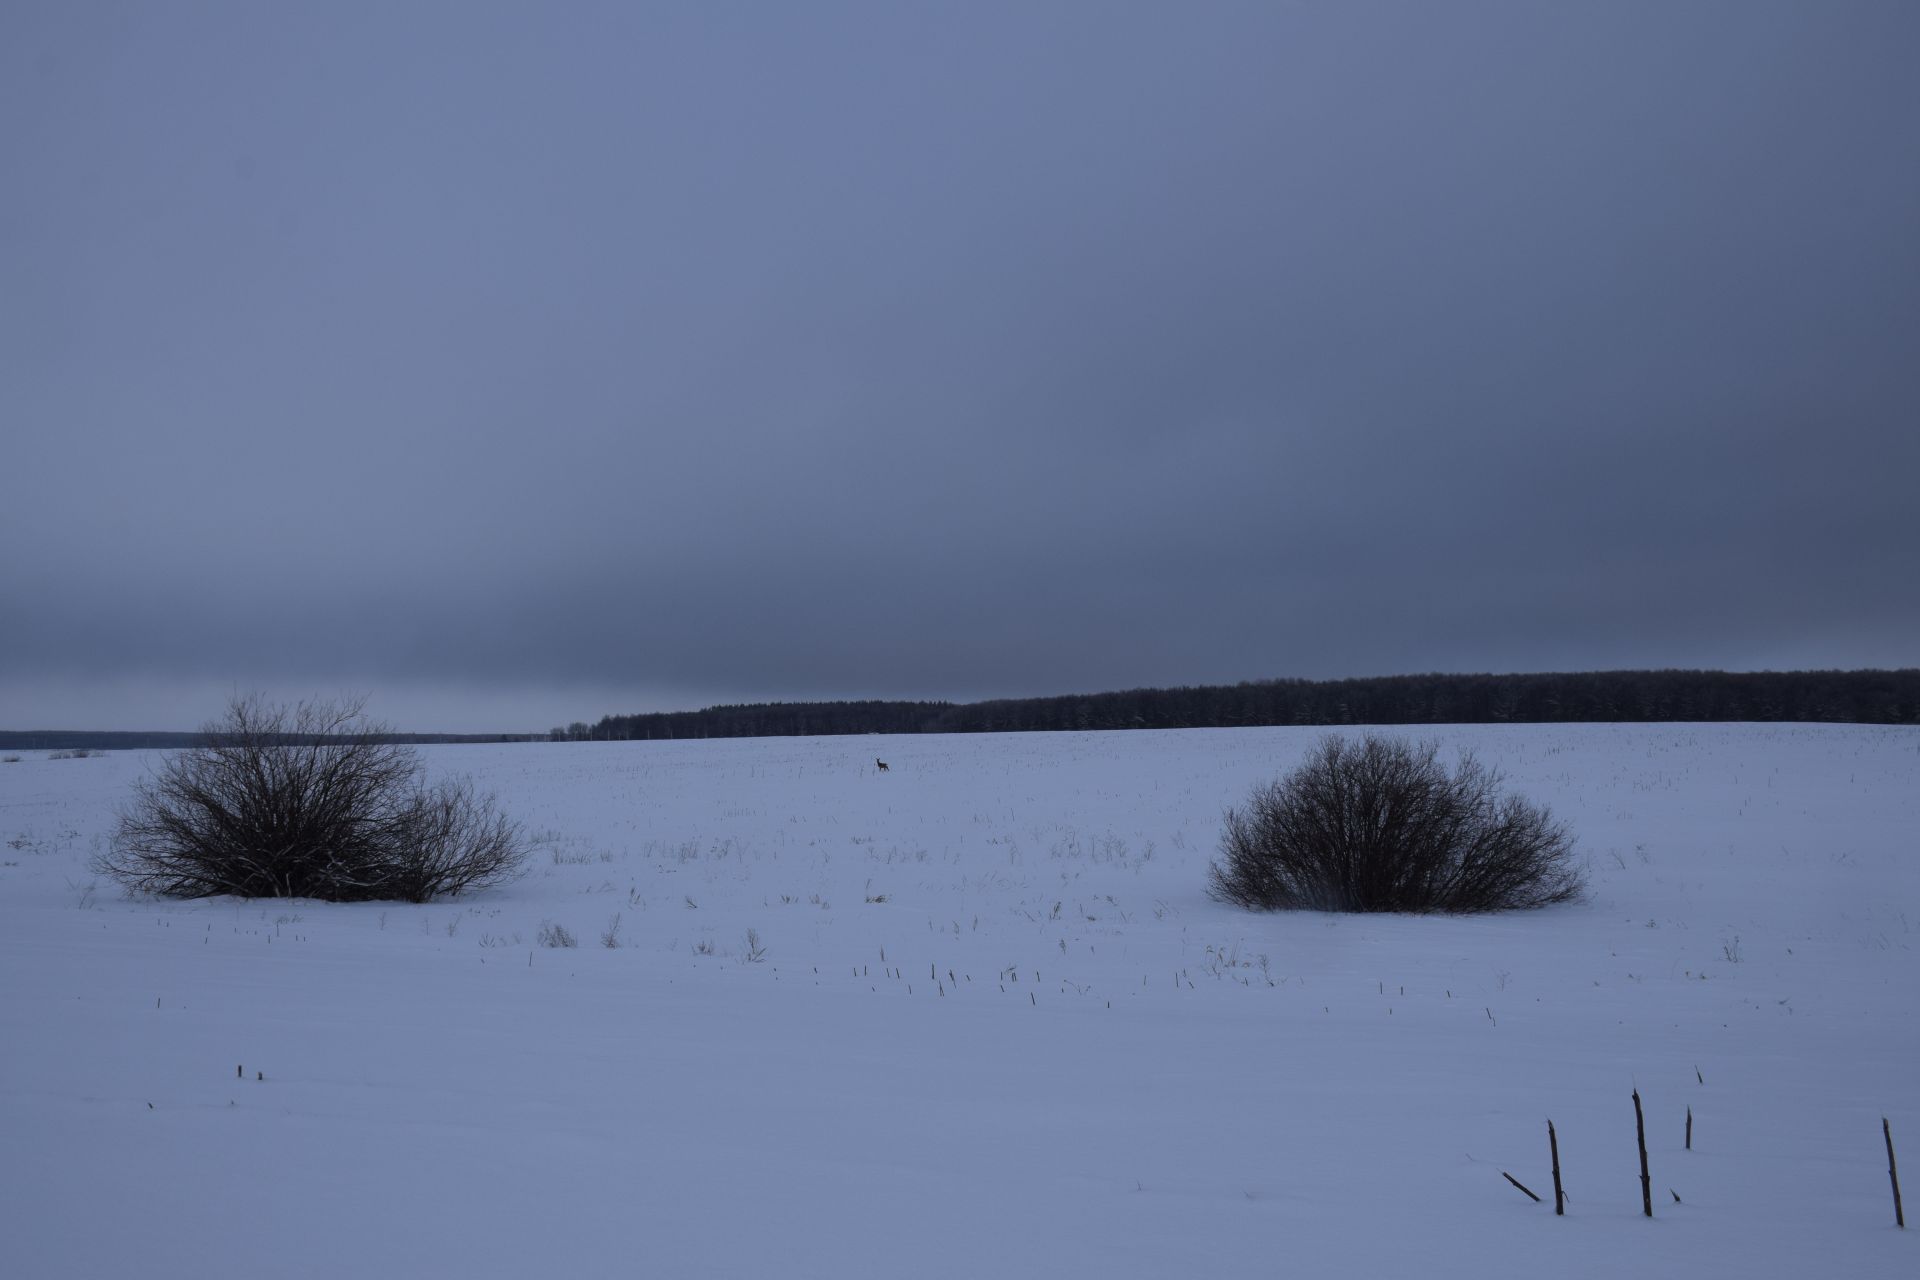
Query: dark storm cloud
(526, 363)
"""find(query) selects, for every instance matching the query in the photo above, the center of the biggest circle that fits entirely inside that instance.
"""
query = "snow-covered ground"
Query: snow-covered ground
(997, 1028)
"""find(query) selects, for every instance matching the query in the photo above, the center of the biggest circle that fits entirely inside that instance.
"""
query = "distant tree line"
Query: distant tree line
(1851, 697)
(767, 720)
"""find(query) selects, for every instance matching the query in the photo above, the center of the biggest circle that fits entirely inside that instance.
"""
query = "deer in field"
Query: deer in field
(880, 764)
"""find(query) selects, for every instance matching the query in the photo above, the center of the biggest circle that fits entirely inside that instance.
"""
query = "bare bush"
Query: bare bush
(449, 839)
(308, 801)
(555, 935)
(1382, 826)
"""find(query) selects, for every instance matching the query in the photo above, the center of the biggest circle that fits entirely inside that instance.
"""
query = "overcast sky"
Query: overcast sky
(517, 363)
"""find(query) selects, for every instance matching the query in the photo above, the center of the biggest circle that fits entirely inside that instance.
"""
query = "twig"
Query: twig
(1559, 1196)
(1893, 1174)
(1516, 1182)
(1646, 1182)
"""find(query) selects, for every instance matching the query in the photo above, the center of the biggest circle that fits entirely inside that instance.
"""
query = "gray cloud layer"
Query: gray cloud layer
(539, 363)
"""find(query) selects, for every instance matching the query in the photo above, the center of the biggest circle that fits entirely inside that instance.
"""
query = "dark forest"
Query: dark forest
(1858, 697)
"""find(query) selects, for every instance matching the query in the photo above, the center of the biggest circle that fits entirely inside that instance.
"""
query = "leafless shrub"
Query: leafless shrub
(1382, 826)
(450, 838)
(755, 952)
(555, 935)
(307, 801)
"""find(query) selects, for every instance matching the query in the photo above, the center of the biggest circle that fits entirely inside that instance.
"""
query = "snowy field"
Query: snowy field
(995, 1028)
